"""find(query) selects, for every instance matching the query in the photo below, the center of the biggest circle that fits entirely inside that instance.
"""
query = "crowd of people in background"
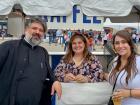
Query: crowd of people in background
(99, 38)
(136, 38)
(94, 37)
(62, 37)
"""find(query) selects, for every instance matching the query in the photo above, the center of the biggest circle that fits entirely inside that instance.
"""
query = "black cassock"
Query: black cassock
(23, 70)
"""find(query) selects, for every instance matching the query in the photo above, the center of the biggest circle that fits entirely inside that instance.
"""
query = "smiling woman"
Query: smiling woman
(79, 65)
(122, 47)
(126, 69)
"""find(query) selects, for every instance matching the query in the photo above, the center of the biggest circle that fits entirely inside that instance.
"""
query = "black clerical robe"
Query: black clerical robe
(23, 70)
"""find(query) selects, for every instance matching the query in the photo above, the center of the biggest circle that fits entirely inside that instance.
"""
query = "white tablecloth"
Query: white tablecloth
(85, 93)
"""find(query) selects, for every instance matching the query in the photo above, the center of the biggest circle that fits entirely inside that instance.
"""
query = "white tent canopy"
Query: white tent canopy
(120, 26)
(64, 7)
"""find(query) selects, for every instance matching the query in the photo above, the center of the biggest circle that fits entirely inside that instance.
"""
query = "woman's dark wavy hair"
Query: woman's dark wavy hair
(70, 53)
(130, 67)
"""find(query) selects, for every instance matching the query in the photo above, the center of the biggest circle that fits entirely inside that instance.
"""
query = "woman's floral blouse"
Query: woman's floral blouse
(91, 68)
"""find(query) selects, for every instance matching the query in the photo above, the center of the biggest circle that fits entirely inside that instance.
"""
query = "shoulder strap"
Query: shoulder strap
(115, 82)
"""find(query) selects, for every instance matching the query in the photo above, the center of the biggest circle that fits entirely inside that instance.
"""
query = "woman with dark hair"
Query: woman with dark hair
(78, 65)
(125, 69)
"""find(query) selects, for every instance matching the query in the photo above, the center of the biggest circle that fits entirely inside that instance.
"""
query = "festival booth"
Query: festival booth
(75, 93)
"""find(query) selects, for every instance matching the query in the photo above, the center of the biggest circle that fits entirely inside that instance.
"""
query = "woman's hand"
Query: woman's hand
(104, 76)
(121, 93)
(81, 79)
(69, 77)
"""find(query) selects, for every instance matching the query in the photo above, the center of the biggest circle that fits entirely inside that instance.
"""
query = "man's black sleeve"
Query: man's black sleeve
(4, 50)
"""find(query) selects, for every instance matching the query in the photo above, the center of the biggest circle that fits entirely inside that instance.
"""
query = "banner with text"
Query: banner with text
(76, 20)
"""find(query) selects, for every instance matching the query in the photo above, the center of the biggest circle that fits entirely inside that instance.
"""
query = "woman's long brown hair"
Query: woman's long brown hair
(69, 54)
(130, 67)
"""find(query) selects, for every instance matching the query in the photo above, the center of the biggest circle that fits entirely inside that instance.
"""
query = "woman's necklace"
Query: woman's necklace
(78, 63)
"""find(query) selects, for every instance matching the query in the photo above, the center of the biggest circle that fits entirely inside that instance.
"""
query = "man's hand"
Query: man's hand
(58, 88)
(81, 79)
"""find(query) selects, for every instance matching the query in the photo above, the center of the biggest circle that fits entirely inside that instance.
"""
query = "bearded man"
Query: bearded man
(24, 67)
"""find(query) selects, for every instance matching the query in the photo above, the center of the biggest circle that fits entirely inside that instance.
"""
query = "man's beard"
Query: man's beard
(35, 39)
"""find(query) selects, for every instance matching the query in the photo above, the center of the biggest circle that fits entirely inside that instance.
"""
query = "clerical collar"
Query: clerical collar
(33, 45)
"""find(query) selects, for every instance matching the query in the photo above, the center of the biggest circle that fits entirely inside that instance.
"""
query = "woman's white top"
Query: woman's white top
(133, 83)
